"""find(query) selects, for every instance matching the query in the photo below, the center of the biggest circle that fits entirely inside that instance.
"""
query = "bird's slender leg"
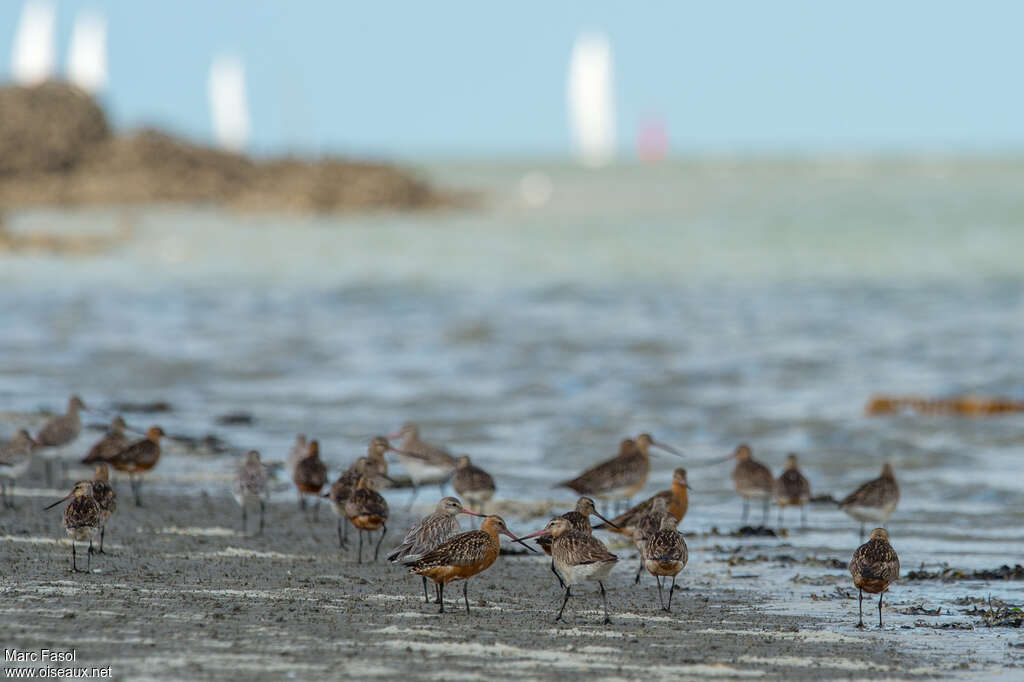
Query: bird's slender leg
(604, 598)
(263, 511)
(302, 502)
(465, 594)
(564, 602)
(426, 597)
(415, 491)
(780, 515)
(670, 591)
(88, 567)
(639, 569)
(103, 532)
(74, 564)
(880, 595)
(555, 571)
(440, 597)
(244, 524)
(746, 505)
(383, 532)
(860, 608)
(360, 560)
(316, 509)
(661, 598)
(862, 530)
(764, 513)
(440, 487)
(437, 593)
(341, 540)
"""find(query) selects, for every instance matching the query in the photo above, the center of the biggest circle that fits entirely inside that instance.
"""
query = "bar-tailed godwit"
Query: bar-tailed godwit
(310, 476)
(430, 532)
(298, 451)
(15, 460)
(579, 521)
(874, 567)
(472, 483)
(425, 463)
(752, 480)
(620, 477)
(463, 556)
(251, 485)
(875, 500)
(649, 524)
(82, 518)
(367, 510)
(666, 554)
(678, 499)
(138, 458)
(792, 489)
(579, 558)
(110, 444)
(105, 497)
(58, 432)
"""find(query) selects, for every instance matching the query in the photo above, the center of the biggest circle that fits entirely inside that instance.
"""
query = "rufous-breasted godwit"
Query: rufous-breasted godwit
(463, 556)
(367, 510)
(342, 488)
(58, 432)
(431, 531)
(792, 489)
(310, 476)
(579, 520)
(874, 567)
(875, 500)
(82, 518)
(251, 485)
(620, 477)
(105, 497)
(579, 558)
(648, 525)
(15, 459)
(678, 499)
(113, 442)
(665, 554)
(425, 463)
(752, 480)
(138, 458)
(472, 482)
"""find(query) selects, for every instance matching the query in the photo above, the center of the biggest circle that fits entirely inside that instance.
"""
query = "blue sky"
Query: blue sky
(475, 79)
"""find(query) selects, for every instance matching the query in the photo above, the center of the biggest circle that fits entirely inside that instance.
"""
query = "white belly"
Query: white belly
(421, 471)
(581, 573)
(870, 514)
(17, 470)
(82, 534)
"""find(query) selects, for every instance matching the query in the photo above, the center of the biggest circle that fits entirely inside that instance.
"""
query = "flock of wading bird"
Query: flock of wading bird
(435, 548)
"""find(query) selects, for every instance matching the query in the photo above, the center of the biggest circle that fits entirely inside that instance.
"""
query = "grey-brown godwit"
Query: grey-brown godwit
(426, 463)
(138, 458)
(752, 480)
(342, 488)
(15, 460)
(792, 489)
(648, 524)
(105, 497)
(82, 518)
(666, 554)
(251, 485)
(463, 557)
(310, 476)
(430, 532)
(367, 510)
(112, 442)
(874, 567)
(622, 476)
(579, 520)
(472, 482)
(58, 432)
(875, 500)
(297, 453)
(678, 499)
(579, 558)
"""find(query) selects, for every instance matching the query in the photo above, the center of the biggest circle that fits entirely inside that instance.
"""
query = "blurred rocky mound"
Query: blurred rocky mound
(56, 147)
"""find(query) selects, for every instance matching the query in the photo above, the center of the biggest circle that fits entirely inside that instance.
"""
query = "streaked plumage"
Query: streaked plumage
(579, 558)
(113, 442)
(367, 510)
(678, 499)
(666, 554)
(874, 567)
(15, 460)
(578, 518)
(874, 501)
(472, 483)
(430, 532)
(105, 497)
(82, 518)
(62, 429)
(649, 524)
(792, 488)
(310, 476)
(752, 480)
(251, 485)
(139, 457)
(622, 476)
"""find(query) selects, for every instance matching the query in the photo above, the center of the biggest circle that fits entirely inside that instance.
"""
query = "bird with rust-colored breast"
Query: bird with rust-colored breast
(463, 556)
(112, 442)
(792, 489)
(665, 554)
(647, 526)
(82, 518)
(620, 477)
(677, 497)
(874, 567)
(138, 458)
(874, 501)
(367, 510)
(429, 532)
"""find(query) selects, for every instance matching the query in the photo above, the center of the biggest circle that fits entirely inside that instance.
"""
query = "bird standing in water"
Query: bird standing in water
(875, 500)
(426, 463)
(874, 567)
(792, 489)
(472, 482)
(112, 443)
(752, 480)
(58, 432)
(82, 518)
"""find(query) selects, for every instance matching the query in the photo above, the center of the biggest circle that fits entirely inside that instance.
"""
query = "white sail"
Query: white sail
(591, 101)
(87, 54)
(33, 55)
(229, 106)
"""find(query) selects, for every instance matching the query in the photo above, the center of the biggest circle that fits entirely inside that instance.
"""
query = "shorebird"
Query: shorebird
(310, 476)
(342, 488)
(649, 524)
(431, 531)
(425, 463)
(297, 452)
(15, 459)
(377, 463)
(82, 518)
(112, 443)
(579, 558)
(875, 500)
(678, 499)
(472, 482)
(792, 488)
(138, 458)
(251, 485)
(105, 497)
(622, 476)
(579, 521)
(752, 480)
(58, 432)
(874, 567)
(367, 510)
(665, 554)
(463, 556)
